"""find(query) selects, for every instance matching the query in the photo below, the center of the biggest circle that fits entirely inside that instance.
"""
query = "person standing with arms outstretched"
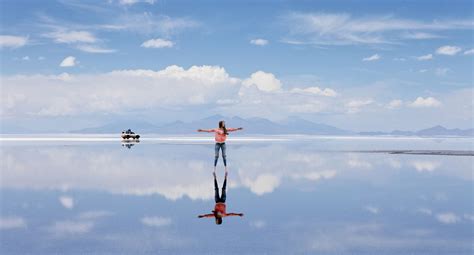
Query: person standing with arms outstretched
(219, 211)
(220, 137)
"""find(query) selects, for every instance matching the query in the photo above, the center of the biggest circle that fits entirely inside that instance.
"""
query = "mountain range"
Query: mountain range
(291, 125)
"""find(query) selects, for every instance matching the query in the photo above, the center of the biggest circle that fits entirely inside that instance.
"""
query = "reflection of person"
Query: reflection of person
(220, 137)
(219, 211)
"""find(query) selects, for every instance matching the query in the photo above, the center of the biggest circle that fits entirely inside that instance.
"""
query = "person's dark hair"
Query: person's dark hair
(222, 125)
(218, 220)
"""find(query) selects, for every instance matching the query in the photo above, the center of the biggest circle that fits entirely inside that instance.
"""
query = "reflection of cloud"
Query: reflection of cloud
(468, 216)
(264, 183)
(71, 227)
(355, 162)
(314, 175)
(156, 221)
(90, 215)
(67, 202)
(447, 218)
(12, 222)
(258, 224)
(427, 166)
(425, 211)
(372, 209)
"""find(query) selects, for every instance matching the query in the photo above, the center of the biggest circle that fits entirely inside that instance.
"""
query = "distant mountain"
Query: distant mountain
(117, 127)
(433, 131)
(293, 125)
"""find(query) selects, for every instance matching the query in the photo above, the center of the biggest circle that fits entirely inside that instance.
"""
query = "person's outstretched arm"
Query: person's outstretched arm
(206, 215)
(235, 214)
(234, 129)
(206, 130)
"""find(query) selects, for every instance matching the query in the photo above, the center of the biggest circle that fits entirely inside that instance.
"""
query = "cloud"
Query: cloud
(132, 2)
(13, 42)
(156, 221)
(315, 91)
(448, 50)
(420, 36)
(344, 29)
(372, 209)
(263, 81)
(25, 58)
(442, 71)
(422, 166)
(60, 228)
(13, 222)
(67, 202)
(94, 49)
(157, 43)
(64, 36)
(469, 52)
(447, 218)
(68, 62)
(258, 224)
(425, 211)
(395, 104)
(421, 102)
(372, 58)
(263, 183)
(81, 94)
(354, 106)
(425, 57)
(91, 215)
(150, 24)
(259, 42)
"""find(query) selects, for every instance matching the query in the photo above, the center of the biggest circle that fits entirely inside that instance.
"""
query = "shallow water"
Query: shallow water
(299, 194)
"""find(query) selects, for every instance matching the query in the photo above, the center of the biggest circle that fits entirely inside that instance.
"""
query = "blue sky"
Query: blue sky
(360, 65)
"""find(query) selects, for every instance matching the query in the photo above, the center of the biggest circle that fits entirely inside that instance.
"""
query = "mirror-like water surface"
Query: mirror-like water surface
(296, 194)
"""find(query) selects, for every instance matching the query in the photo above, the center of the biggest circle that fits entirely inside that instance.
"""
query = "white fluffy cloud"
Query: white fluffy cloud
(11, 41)
(447, 218)
(12, 222)
(374, 57)
(72, 95)
(132, 2)
(354, 106)
(67, 202)
(263, 81)
(425, 57)
(316, 91)
(60, 228)
(469, 52)
(156, 221)
(94, 49)
(448, 50)
(259, 42)
(69, 61)
(157, 43)
(425, 102)
(64, 36)
(394, 104)
(422, 166)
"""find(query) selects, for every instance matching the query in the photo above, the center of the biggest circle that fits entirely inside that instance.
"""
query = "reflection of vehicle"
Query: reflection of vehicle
(129, 135)
(129, 143)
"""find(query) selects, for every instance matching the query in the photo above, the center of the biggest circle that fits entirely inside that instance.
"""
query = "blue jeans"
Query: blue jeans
(222, 197)
(220, 146)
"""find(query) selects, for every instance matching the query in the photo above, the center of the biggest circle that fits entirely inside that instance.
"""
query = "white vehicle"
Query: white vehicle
(129, 135)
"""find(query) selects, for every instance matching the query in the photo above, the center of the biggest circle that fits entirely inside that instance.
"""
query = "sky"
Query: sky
(357, 65)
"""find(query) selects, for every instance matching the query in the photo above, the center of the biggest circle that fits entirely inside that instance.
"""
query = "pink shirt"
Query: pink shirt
(219, 133)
